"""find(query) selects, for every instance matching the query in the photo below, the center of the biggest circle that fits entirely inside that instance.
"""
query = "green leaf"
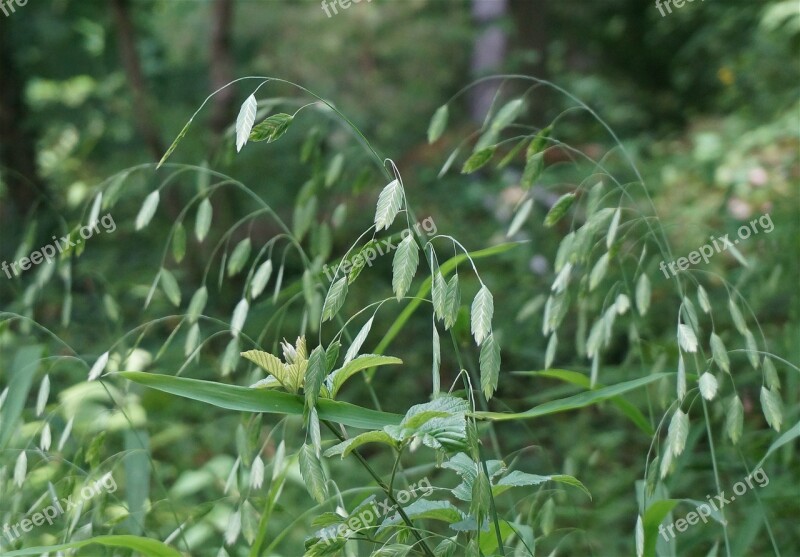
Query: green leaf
(612, 228)
(203, 221)
(678, 432)
(490, 366)
(332, 355)
(170, 286)
(315, 373)
(534, 166)
(772, 407)
(438, 123)
(599, 271)
(358, 342)
(335, 299)
(520, 217)
(738, 318)
(643, 294)
(365, 361)
(334, 170)
(239, 257)
(569, 480)
(389, 202)
(539, 142)
(653, 517)
(438, 295)
(243, 399)
(720, 353)
(404, 266)
(346, 447)
(559, 209)
(272, 128)
(512, 154)
(708, 386)
(702, 298)
(147, 210)
(734, 419)
(175, 142)
(260, 279)
(687, 338)
(482, 312)
(313, 475)
(790, 435)
(18, 379)
(143, 546)
(197, 304)
(478, 159)
(574, 402)
(245, 120)
(179, 242)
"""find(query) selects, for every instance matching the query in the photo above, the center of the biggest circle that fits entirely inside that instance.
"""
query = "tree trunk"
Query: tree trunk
(488, 53)
(221, 68)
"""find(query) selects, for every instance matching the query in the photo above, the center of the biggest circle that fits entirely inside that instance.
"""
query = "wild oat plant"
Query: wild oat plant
(293, 346)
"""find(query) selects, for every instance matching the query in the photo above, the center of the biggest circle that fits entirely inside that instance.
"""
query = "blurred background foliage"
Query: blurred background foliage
(705, 100)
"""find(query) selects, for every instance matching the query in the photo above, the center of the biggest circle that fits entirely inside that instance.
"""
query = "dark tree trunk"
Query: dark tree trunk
(17, 142)
(221, 71)
(126, 40)
(488, 53)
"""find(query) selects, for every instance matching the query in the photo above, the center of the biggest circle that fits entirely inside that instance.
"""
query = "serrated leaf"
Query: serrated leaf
(478, 160)
(170, 286)
(734, 419)
(599, 271)
(239, 257)
(197, 304)
(202, 223)
(643, 294)
(245, 121)
(719, 353)
(260, 279)
(438, 295)
(179, 243)
(335, 299)
(315, 373)
(481, 314)
(272, 128)
(452, 302)
(687, 338)
(559, 209)
(772, 407)
(389, 202)
(612, 228)
(678, 432)
(438, 123)
(312, 473)
(520, 217)
(358, 341)
(490, 366)
(147, 210)
(404, 266)
(534, 166)
(708, 386)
